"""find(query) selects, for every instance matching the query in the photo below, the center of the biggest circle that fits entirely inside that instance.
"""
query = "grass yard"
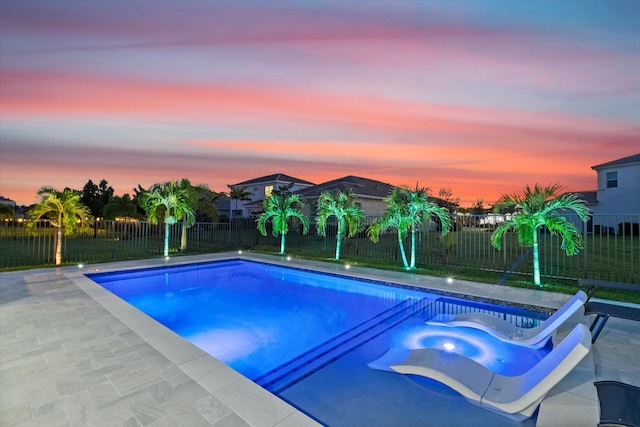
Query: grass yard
(465, 254)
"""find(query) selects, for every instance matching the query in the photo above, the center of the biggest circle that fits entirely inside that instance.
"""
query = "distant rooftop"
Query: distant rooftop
(623, 161)
(5, 201)
(276, 177)
(362, 187)
(590, 196)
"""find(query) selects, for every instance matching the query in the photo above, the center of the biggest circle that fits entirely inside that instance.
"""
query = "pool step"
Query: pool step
(295, 370)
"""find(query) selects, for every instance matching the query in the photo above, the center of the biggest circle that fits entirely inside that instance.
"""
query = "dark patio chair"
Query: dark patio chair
(619, 404)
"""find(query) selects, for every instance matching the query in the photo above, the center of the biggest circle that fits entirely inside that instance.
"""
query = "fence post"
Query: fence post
(585, 249)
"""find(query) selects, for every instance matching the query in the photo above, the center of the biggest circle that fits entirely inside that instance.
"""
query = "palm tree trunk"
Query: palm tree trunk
(166, 239)
(237, 231)
(404, 255)
(536, 259)
(58, 246)
(282, 244)
(413, 248)
(183, 237)
(338, 241)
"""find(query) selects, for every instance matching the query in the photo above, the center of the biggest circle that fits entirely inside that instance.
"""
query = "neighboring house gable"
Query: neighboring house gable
(618, 197)
(8, 202)
(260, 189)
(619, 186)
(370, 193)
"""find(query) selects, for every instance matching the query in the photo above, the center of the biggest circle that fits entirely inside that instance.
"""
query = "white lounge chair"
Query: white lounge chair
(535, 337)
(516, 397)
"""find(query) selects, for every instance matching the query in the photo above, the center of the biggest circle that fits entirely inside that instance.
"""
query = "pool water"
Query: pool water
(307, 336)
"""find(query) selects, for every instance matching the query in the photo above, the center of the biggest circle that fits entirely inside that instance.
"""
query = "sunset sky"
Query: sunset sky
(482, 97)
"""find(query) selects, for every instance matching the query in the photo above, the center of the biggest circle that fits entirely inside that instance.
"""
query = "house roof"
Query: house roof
(276, 177)
(5, 201)
(590, 197)
(623, 161)
(362, 187)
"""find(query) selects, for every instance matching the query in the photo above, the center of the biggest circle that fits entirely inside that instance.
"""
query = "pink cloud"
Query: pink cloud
(354, 108)
(33, 94)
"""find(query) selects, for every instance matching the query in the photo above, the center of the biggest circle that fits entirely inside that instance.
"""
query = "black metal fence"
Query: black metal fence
(611, 246)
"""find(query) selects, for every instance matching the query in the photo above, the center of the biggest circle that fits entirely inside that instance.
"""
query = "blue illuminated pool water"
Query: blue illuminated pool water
(287, 329)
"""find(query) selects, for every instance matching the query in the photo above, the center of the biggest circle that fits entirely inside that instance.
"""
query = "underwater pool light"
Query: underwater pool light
(449, 346)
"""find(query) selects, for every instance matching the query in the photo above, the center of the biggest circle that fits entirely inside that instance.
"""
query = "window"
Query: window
(268, 189)
(612, 179)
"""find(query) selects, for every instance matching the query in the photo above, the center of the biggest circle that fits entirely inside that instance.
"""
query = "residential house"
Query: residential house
(618, 195)
(260, 189)
(7, 202)
(16, 211)
(370, 193)
(619, 186)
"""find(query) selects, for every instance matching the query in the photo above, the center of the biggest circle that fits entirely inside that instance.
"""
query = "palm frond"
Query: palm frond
(279, 208)
(571, 237)
(342, 206)
(537, 207)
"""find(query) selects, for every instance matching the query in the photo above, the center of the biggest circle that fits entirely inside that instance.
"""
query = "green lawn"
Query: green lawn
(465, 254)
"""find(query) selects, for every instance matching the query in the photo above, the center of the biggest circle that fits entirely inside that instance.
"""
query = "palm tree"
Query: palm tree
(407, 209)
(420, 210)
(393, 217)
(238, 193)
(541, 207)
(200, 199)
(65, 213)
(280, 206)
(169, 201)
(348, 215)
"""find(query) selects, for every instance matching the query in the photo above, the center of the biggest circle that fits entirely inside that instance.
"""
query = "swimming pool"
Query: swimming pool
(307, 337)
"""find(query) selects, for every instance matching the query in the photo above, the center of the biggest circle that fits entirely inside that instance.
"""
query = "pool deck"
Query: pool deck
(71, 353)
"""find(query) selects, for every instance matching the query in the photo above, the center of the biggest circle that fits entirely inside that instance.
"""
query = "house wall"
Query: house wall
(258, 190)
(620, 204)
(369, 207)
(372, 207)
(623, 199)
